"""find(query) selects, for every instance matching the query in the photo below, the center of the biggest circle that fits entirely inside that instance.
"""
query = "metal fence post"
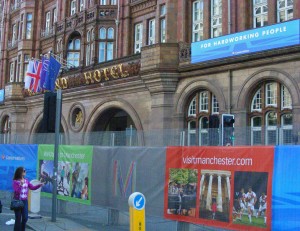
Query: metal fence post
(182, 138)
(183, 226)
(112, 139)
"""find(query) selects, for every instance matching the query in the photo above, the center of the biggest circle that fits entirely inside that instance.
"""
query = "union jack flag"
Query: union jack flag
(33, 76)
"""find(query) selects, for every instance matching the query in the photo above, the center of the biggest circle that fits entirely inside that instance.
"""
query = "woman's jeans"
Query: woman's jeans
(21, 217)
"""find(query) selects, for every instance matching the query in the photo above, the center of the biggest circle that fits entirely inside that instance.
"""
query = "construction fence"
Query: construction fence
(180, 184)
(238, 136)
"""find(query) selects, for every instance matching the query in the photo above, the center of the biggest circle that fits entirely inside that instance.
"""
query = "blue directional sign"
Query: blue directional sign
(139, 202)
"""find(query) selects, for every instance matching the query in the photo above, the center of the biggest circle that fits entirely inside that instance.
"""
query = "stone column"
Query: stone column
(228, 186)
(158, 65)
(201, 185)
(208, 198)
(219, 198)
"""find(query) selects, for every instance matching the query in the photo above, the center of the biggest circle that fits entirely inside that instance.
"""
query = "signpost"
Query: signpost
(136, 204)
(57, 130)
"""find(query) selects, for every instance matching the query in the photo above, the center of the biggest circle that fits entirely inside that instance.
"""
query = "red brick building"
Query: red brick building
(128, 65)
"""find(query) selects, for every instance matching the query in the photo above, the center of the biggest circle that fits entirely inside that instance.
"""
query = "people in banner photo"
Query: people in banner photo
(250, 205)
(214, 197)
(262, 207)
(46, 175)
(251, 201)
(63, 186)
(214, 209)
(240, 203)
(79, 182)
(21, 185)
(182, 192)
(85, 190)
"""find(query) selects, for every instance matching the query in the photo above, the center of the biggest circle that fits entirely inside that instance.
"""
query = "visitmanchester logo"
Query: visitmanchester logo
(17, 158)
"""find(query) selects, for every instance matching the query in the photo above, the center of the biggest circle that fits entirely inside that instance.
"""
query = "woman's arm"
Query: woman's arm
(34, 187)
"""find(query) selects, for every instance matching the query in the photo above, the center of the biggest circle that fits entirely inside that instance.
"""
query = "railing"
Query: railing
(245, 136)
(134, 1)
(47, 32)
(16, 5)
(184, 52)
(80, 18)
(12, 43)
(107, 13)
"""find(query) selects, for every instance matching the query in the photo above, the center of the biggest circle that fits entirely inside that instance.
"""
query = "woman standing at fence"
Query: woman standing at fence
(21, 186)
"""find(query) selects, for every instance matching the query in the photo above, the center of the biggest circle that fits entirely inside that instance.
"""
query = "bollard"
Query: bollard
(136, 204)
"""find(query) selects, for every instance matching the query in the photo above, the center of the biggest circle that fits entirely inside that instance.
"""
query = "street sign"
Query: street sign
(137, 203)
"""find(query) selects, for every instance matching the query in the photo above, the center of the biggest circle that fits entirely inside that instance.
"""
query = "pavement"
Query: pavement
(44, 223)
(5, 216)
(69, 223)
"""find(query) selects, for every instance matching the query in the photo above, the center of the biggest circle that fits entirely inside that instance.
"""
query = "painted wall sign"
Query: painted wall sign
(260, 39)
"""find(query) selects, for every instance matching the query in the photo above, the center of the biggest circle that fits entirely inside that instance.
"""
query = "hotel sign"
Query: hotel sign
(260, 39)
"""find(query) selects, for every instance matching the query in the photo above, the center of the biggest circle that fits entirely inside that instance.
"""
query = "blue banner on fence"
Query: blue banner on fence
(260, 39)
(286, 189)
(13, 156)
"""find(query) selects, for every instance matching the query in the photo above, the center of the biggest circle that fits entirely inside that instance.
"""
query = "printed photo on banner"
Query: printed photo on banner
(215, 195)
(182, 191)
(73, 172)
(63, 180)
(46, 175)
(250, 199)
(80, 180)
(231, 187)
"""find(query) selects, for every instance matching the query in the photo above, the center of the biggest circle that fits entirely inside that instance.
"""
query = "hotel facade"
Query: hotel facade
(135, 68)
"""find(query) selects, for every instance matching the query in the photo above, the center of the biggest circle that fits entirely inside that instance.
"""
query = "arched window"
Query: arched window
(271, 128)
(59, 49)
(271, 117)
(89, 50)
(102, 33)
(5, 138)
(106, 44)
(256, 130)
(203, 131)
(256, 102)
(73, 54)
(110, 33)
(73, 7)
(202, 105)
(192, 107)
